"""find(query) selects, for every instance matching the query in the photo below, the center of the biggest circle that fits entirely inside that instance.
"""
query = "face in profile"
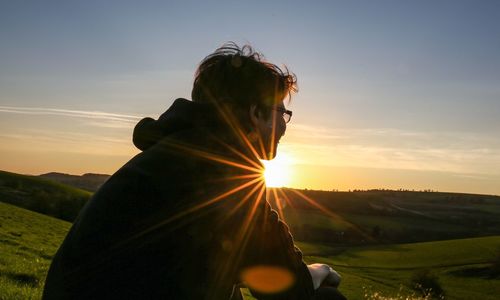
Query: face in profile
(269, 130)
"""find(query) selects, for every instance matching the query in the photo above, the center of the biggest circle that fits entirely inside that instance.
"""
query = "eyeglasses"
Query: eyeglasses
(287, 114)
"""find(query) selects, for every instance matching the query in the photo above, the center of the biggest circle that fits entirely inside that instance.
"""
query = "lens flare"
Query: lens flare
(267, 279)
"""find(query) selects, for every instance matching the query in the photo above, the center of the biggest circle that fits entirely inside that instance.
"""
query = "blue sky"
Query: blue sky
(384, 85)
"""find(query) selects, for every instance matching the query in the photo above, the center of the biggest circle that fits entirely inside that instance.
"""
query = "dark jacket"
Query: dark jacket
(181, 220)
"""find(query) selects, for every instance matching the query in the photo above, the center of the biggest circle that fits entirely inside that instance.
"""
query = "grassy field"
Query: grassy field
(28, 241)
(461, 266)
(387, 217)
(370, 231)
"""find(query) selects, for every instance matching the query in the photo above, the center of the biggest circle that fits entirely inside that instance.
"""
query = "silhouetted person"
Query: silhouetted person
(187, 218)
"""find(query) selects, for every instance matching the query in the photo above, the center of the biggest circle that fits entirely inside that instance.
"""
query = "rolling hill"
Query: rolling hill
(374, 217)
(378, 240)
(28, 241)
(42, 195)
(88, 182)
(327, 217)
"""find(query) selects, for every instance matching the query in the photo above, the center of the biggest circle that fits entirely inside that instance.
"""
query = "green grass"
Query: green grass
(387, 269)
(28, 241)
(385, 272)
(428, 254)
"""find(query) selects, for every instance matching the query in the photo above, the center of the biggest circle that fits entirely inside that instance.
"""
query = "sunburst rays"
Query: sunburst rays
(243, 189)
(248, 188)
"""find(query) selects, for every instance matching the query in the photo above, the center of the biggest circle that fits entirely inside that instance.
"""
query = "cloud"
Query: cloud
(70, 142)
(96, 132)
(456, 152)
(118, 120)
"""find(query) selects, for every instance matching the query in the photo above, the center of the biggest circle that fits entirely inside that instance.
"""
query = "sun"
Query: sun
(277, 172)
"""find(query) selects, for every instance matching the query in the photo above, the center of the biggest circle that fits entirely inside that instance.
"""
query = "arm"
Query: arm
(271, 244)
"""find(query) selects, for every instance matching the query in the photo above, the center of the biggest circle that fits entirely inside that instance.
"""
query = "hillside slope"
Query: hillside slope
(374, 217)
(42, 195)
(327, 217)
(28, 241)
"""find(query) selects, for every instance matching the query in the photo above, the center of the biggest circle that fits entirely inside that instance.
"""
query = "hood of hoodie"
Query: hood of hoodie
(182, 115)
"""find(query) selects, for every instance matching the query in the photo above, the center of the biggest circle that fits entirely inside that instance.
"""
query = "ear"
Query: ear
(254, 115)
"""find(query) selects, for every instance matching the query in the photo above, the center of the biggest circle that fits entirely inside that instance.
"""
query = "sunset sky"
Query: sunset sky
(392, 94)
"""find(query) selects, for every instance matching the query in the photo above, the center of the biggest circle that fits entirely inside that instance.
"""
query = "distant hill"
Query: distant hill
(42, 195)
(89, 181)
(379, 216)
(326, 217)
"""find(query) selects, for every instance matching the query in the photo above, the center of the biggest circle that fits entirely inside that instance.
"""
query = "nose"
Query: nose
(282, 126)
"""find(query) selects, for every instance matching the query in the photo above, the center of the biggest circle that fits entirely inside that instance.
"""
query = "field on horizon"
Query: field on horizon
(376, 240)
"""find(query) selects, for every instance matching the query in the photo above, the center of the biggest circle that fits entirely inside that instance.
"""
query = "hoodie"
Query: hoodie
(182, 115)
(184, 219)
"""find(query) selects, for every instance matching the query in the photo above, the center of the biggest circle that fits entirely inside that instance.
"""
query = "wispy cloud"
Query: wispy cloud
(95, 115)
(70, 142)
(395, 149)
(98, 132)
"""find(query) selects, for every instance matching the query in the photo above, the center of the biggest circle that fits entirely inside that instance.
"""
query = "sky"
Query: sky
(392, 94)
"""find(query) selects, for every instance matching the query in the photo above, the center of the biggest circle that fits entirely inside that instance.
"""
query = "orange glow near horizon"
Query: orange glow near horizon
(320, 160)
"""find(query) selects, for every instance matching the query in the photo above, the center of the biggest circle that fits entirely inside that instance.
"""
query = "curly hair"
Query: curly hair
(238, 77)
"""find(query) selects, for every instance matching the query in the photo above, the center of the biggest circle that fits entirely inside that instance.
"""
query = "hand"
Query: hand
(323, 275)
(333, 279)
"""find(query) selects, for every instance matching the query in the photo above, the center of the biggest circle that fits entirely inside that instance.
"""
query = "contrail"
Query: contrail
(69, 113)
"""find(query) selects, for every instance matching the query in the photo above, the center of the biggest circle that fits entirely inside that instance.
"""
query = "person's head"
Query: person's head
(240, 81)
